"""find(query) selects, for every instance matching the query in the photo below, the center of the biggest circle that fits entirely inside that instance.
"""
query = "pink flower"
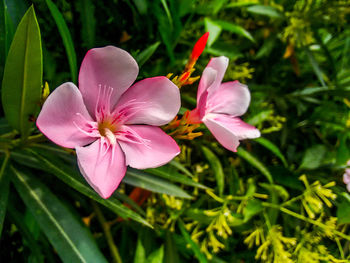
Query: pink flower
(102, 118)
(220, 104)
(346, 176)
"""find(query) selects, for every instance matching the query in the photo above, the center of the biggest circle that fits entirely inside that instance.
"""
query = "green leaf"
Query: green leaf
(22, 80)
(273, 148)
(71, 240)
(196, 250)
(265, 10)
(171, 253)
(214, 30)
(4, 190)
(156, 256)
(180, 167)
(141, 6)
(86, 9)
(315, 67)
(140, 254)
(216, 167)
(141, 179)
(255, 162)
(66, 38)
(313, 157)
(145, 55)
(233, 28)
(343, 209)
(78, 184)
(252, 208)
(167, 173)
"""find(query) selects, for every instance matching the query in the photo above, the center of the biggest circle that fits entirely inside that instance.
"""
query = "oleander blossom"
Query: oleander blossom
(219, 106)
(346, 176)
(110, 122)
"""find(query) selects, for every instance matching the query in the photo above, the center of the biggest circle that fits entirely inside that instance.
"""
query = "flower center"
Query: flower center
(107, 129)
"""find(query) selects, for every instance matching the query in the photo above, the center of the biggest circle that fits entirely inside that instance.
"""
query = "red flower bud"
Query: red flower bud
(199, 46)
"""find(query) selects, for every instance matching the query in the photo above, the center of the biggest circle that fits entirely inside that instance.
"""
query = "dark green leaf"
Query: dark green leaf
(142, 57)
(216, 167)
(255, 162)
(141, 179)
(86, 9)
(167, 173)
(273, 148)
(22, 81)
(313, 157)
(171, 255)
(233, 28)
(71, 240)
(4, 190)
(76, 181)
(66, 38)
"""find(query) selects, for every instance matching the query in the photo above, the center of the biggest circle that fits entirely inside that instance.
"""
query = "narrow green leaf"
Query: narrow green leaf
(66, 38)
(86, 9)
(273, 148)
(214, 30)
(141, 179)
(181, 167)
(196, 250)
(265, 10)
(171, 252)
(22, 80)
(167, 173)
(315, 67)
(233, 28)
(313, 157)
(142, 57)
(156, 256)
(4, 190)
(68, 236)
(255, 162)
(216, 167)
(78, 184)
(140, 254)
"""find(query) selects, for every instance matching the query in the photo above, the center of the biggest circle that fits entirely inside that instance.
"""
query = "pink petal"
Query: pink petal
(212, 75)
(158, 149)
(108, 66)
(103, 167)
(346, 178)
(228, 130)
(152, 101)
(62, 110)
(231, 98)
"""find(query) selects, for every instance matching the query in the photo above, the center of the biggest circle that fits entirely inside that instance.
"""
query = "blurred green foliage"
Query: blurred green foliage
(280, 198)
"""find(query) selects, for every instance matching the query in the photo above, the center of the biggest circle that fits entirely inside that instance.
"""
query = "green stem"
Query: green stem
(106, 229)
(304, 218)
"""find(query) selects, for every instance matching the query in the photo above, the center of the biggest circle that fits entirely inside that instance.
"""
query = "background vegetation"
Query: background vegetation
(280, 198)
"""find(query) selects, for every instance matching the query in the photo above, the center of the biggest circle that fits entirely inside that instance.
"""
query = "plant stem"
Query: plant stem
(106, 229)
(304, 218)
